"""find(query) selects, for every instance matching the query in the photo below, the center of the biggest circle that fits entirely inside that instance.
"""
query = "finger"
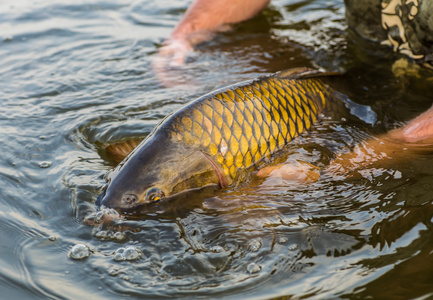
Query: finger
(298, 171)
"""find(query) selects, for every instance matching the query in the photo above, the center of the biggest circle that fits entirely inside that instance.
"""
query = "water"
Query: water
(75, 75)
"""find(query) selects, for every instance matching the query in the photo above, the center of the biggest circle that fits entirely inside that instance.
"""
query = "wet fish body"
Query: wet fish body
(217, 136)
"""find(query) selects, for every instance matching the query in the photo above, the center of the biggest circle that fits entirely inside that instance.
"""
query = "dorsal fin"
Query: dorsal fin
(304, 73)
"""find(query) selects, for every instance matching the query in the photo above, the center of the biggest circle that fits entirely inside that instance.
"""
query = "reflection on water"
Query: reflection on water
(75, 76)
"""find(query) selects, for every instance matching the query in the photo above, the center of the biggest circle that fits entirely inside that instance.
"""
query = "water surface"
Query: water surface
(75, 75)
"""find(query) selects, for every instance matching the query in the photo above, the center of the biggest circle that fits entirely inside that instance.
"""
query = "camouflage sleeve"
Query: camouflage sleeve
(404, 25)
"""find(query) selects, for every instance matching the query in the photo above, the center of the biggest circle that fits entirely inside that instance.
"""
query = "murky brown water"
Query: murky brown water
(75, 75)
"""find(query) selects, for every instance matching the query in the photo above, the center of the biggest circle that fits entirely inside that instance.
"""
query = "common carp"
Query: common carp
(213, 139)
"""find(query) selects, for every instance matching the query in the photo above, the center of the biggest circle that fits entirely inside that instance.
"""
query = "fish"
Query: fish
(214, 139)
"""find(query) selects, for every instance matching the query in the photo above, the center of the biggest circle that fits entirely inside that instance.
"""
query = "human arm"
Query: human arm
(202, 19)
(396, 145)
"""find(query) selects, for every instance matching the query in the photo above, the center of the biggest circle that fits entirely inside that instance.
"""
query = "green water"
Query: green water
(75, 75)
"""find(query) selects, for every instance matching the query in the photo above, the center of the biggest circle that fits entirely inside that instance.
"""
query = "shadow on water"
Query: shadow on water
(75, 77)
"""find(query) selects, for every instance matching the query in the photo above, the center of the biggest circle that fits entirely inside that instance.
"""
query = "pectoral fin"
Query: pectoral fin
(118, 151)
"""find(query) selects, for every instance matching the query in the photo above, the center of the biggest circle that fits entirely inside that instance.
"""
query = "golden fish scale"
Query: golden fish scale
(245, 123)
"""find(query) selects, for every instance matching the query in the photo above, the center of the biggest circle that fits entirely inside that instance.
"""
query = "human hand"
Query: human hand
(292, 170)
(170, 57)
(174, 52)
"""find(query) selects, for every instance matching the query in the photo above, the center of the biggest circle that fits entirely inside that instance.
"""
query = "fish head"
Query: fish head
(155, 172)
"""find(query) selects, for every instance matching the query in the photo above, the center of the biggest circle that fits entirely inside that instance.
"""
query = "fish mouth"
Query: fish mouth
(164, 205)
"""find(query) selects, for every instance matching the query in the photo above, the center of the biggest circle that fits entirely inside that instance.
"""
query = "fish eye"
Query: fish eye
(154, 195)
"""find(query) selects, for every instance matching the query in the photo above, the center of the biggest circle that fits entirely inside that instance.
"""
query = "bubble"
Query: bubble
(79, 251)
(132, 253)
(45, 164)
(99, 216)
(102, 234)
(282, 240)
(230, 247)
(113, 272)
(128, 253)
(119, 236)
(255, 245)
(253, 268)
(103, 215)
(118, 257)
(293, 247)
(109, 235)
(125, 277)
(217, 249)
